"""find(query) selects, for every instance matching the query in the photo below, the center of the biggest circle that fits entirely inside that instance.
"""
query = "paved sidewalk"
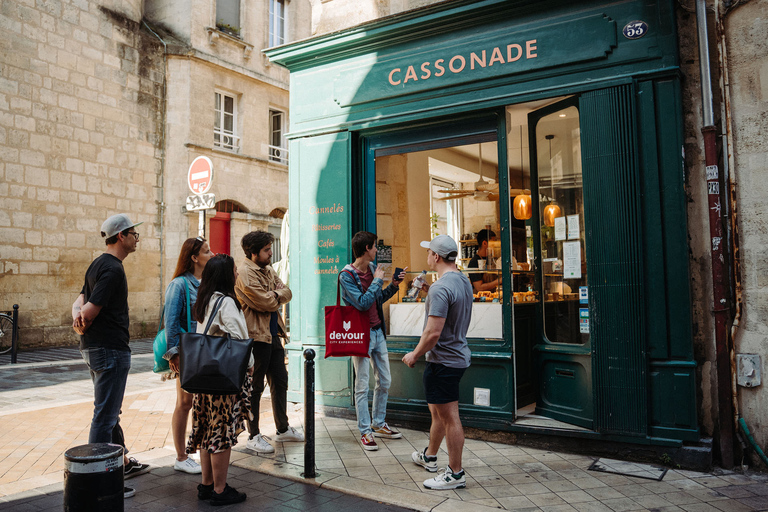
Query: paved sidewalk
(45, 409)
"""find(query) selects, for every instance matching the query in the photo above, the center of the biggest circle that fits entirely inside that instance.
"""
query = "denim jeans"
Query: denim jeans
(109, 373)
(380, 361)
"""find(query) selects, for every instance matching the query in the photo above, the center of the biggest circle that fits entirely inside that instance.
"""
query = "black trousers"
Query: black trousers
(269, 361)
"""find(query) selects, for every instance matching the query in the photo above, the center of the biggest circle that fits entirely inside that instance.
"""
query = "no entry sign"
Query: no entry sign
(200, 175)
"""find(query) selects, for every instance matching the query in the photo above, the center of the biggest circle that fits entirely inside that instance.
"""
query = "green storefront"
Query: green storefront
(449, 119)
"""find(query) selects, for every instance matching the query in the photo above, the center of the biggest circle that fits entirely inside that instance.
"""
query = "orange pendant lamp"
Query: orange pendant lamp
(522, 207)
(551, 211)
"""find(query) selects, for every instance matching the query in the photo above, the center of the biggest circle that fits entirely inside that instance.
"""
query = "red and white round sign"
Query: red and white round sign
(200, 175)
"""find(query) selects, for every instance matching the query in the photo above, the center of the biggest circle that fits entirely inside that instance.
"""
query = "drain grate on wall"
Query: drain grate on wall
(621, 467)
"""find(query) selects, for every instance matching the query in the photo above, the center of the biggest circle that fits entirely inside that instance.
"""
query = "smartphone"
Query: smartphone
(397, 273)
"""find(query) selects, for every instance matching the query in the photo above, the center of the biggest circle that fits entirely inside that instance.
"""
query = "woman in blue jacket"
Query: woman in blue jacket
(195, 253)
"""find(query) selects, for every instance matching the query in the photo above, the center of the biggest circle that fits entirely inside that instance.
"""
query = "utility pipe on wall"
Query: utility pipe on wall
(720, 280)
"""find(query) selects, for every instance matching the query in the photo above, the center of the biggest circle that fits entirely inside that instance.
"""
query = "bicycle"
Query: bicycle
(6, 333)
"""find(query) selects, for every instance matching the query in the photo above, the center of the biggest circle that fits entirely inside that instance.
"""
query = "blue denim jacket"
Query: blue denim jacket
(353, 295)
(176, 310)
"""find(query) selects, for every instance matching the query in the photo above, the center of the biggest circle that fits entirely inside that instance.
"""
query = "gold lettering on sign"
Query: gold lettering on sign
(326, 227)
(509, 52)
(336, 208)
(474, 58)
(458, 63)
(463, 63)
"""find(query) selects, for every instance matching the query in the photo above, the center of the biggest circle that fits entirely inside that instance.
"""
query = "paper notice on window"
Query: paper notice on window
(559, 228)
(572, 260)
(574, 233)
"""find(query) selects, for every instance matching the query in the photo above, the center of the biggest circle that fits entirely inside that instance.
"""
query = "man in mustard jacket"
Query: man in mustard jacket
(261, 292)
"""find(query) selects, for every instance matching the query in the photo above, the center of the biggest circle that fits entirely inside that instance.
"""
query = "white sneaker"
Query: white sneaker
(446, 480)
(188, 466)
(290, 435)
(426, 461)
(259, 444)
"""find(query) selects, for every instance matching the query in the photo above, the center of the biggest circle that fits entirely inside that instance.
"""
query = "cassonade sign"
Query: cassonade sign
(432, 64)
(458, 63)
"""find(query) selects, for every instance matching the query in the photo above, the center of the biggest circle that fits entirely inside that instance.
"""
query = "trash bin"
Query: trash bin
(93, 478)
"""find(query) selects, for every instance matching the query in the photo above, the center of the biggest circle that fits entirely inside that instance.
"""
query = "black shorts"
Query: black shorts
(441, 383)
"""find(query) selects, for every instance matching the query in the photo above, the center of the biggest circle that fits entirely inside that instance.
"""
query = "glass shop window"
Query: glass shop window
(561, 217)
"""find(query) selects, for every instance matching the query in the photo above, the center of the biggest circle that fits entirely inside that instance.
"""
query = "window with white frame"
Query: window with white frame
(278, 151)
(225, 122)
(228, 16)
(276, 22)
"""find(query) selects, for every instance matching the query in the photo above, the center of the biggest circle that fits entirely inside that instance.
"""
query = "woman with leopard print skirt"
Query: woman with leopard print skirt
(217, 420)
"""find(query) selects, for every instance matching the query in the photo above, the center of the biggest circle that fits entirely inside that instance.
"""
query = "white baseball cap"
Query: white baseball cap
(115, 224)
(444, 246)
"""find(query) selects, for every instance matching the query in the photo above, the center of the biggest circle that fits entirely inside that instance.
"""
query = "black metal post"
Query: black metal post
(15, 335)
(309, 414)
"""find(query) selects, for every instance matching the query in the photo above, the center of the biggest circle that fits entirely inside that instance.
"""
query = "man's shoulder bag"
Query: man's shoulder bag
(213, 365)
(347, 329)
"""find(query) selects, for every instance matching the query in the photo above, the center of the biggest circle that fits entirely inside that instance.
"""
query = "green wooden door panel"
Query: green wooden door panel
(673, 400)
(562, 375)
(614, 249)
(656, 319)
(407, 391)
(675, 224)
(563, 371)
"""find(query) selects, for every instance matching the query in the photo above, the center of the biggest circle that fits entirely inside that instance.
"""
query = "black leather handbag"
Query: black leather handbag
(213, 365)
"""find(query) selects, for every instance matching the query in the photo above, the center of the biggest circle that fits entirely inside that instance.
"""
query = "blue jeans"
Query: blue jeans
(380, 361)
(109, 373)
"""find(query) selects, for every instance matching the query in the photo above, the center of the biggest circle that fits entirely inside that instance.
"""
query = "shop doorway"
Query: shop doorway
(551, 314)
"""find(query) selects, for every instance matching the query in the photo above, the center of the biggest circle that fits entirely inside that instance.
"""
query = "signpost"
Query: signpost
(199, 179)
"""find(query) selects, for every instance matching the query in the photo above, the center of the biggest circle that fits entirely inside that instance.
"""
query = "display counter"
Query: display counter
(407, 319)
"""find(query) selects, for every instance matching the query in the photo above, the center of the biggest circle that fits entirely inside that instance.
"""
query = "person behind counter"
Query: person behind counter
(477, 279)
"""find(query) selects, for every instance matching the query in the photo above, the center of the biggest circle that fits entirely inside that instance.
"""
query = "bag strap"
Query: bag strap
(215, 310)
(338, 286)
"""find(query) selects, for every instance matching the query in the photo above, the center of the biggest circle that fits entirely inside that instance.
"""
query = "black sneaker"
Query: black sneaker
(134, 468)
(227, 497)
(204, 491)
(128, 492)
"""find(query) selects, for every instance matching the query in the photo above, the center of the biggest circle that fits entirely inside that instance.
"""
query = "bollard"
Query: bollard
(309, 414)
(15, 335)
(93, 478)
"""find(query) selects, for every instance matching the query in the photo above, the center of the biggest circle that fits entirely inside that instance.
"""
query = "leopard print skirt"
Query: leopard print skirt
(217, 420)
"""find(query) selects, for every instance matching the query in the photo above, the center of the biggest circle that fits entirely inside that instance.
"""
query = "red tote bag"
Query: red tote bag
(347, 330)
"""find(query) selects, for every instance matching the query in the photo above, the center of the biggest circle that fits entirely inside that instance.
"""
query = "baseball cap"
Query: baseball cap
(442, 245)
(115, 224)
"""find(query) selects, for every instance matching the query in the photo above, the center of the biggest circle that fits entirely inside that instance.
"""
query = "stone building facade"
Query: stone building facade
(103, 106)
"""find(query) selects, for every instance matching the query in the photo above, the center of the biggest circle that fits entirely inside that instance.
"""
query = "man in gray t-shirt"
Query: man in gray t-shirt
(450, 298)
(444, 342)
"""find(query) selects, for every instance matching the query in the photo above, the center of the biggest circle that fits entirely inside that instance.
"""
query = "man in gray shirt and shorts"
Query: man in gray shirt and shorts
(444, 341)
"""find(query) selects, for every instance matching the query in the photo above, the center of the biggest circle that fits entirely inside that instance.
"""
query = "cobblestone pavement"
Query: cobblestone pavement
(45, 408)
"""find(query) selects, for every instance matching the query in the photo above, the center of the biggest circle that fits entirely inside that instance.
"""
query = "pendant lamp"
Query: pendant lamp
(522, 207)
(552, 211)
